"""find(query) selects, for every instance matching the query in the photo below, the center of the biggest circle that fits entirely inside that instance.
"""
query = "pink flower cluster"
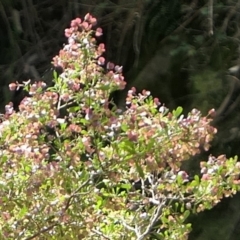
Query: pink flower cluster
(78, 35)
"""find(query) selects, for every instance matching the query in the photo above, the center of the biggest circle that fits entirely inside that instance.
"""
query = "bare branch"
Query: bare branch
(100, 234)
(154, 219)
(43, 230)
(210, 12)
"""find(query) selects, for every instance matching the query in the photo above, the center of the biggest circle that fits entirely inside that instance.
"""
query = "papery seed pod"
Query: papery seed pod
(101, 61)
(212, 112)
(85, 26)
(9, 108)
(222, 158)
(65, 97)
(204, 170)
(78, 20)
(118, 69)
(89, 113)
(237, 165)
(205, 177)
(93, 21)
(101, 48)
(73, 23)
(195, 111)
(184, 175)
(68, 32)
(134, 90)
(99, 32)
(170, 116)
(132, 136)
(13, 86)
(156, 101)
(188, 205)
(87, 17)
(211, 160)
(110, 66)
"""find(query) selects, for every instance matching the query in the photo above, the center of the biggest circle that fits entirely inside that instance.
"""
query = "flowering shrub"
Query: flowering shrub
(73, 168)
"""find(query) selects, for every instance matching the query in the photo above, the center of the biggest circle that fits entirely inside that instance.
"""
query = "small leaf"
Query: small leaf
(158, 236)
(139, 169)
(22, 212)
(182, 208)
(124, 127)
(63, 126)
(177, 112)
(189, 225)
(125, 186)
(74, 109)
(176, 206)
(99, 203)
(186, 214)
(55, 75)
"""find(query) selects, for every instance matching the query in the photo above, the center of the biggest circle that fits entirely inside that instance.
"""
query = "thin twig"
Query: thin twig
(154, 219)
(101, 234)
(43, 230)
(210, 18)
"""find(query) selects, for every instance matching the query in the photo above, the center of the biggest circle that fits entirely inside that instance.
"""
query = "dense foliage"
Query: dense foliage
(75, 166)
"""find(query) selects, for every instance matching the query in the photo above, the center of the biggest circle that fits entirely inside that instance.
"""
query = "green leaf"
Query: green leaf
(74, 109)
(196, 178)
(128, 146)
(176, 206)
(177, 112)
(189, 225)
(22, 212)
(195, 182)
(63, 126)
(186, 214)
(139, 169)
(182, 208)
(55, 75)
(99, 203)
(164, 220)
(27, 168)
(158, 236)
(124, 127)
(125, 186)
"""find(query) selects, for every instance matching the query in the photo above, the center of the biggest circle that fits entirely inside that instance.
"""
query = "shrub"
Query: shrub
(74, 168)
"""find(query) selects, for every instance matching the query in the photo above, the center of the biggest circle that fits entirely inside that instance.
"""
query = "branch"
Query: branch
(101, 234)
(154, 219)
(68, 203)
(230, 14)
(230, 101)
(43, 230)
(210, 12)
